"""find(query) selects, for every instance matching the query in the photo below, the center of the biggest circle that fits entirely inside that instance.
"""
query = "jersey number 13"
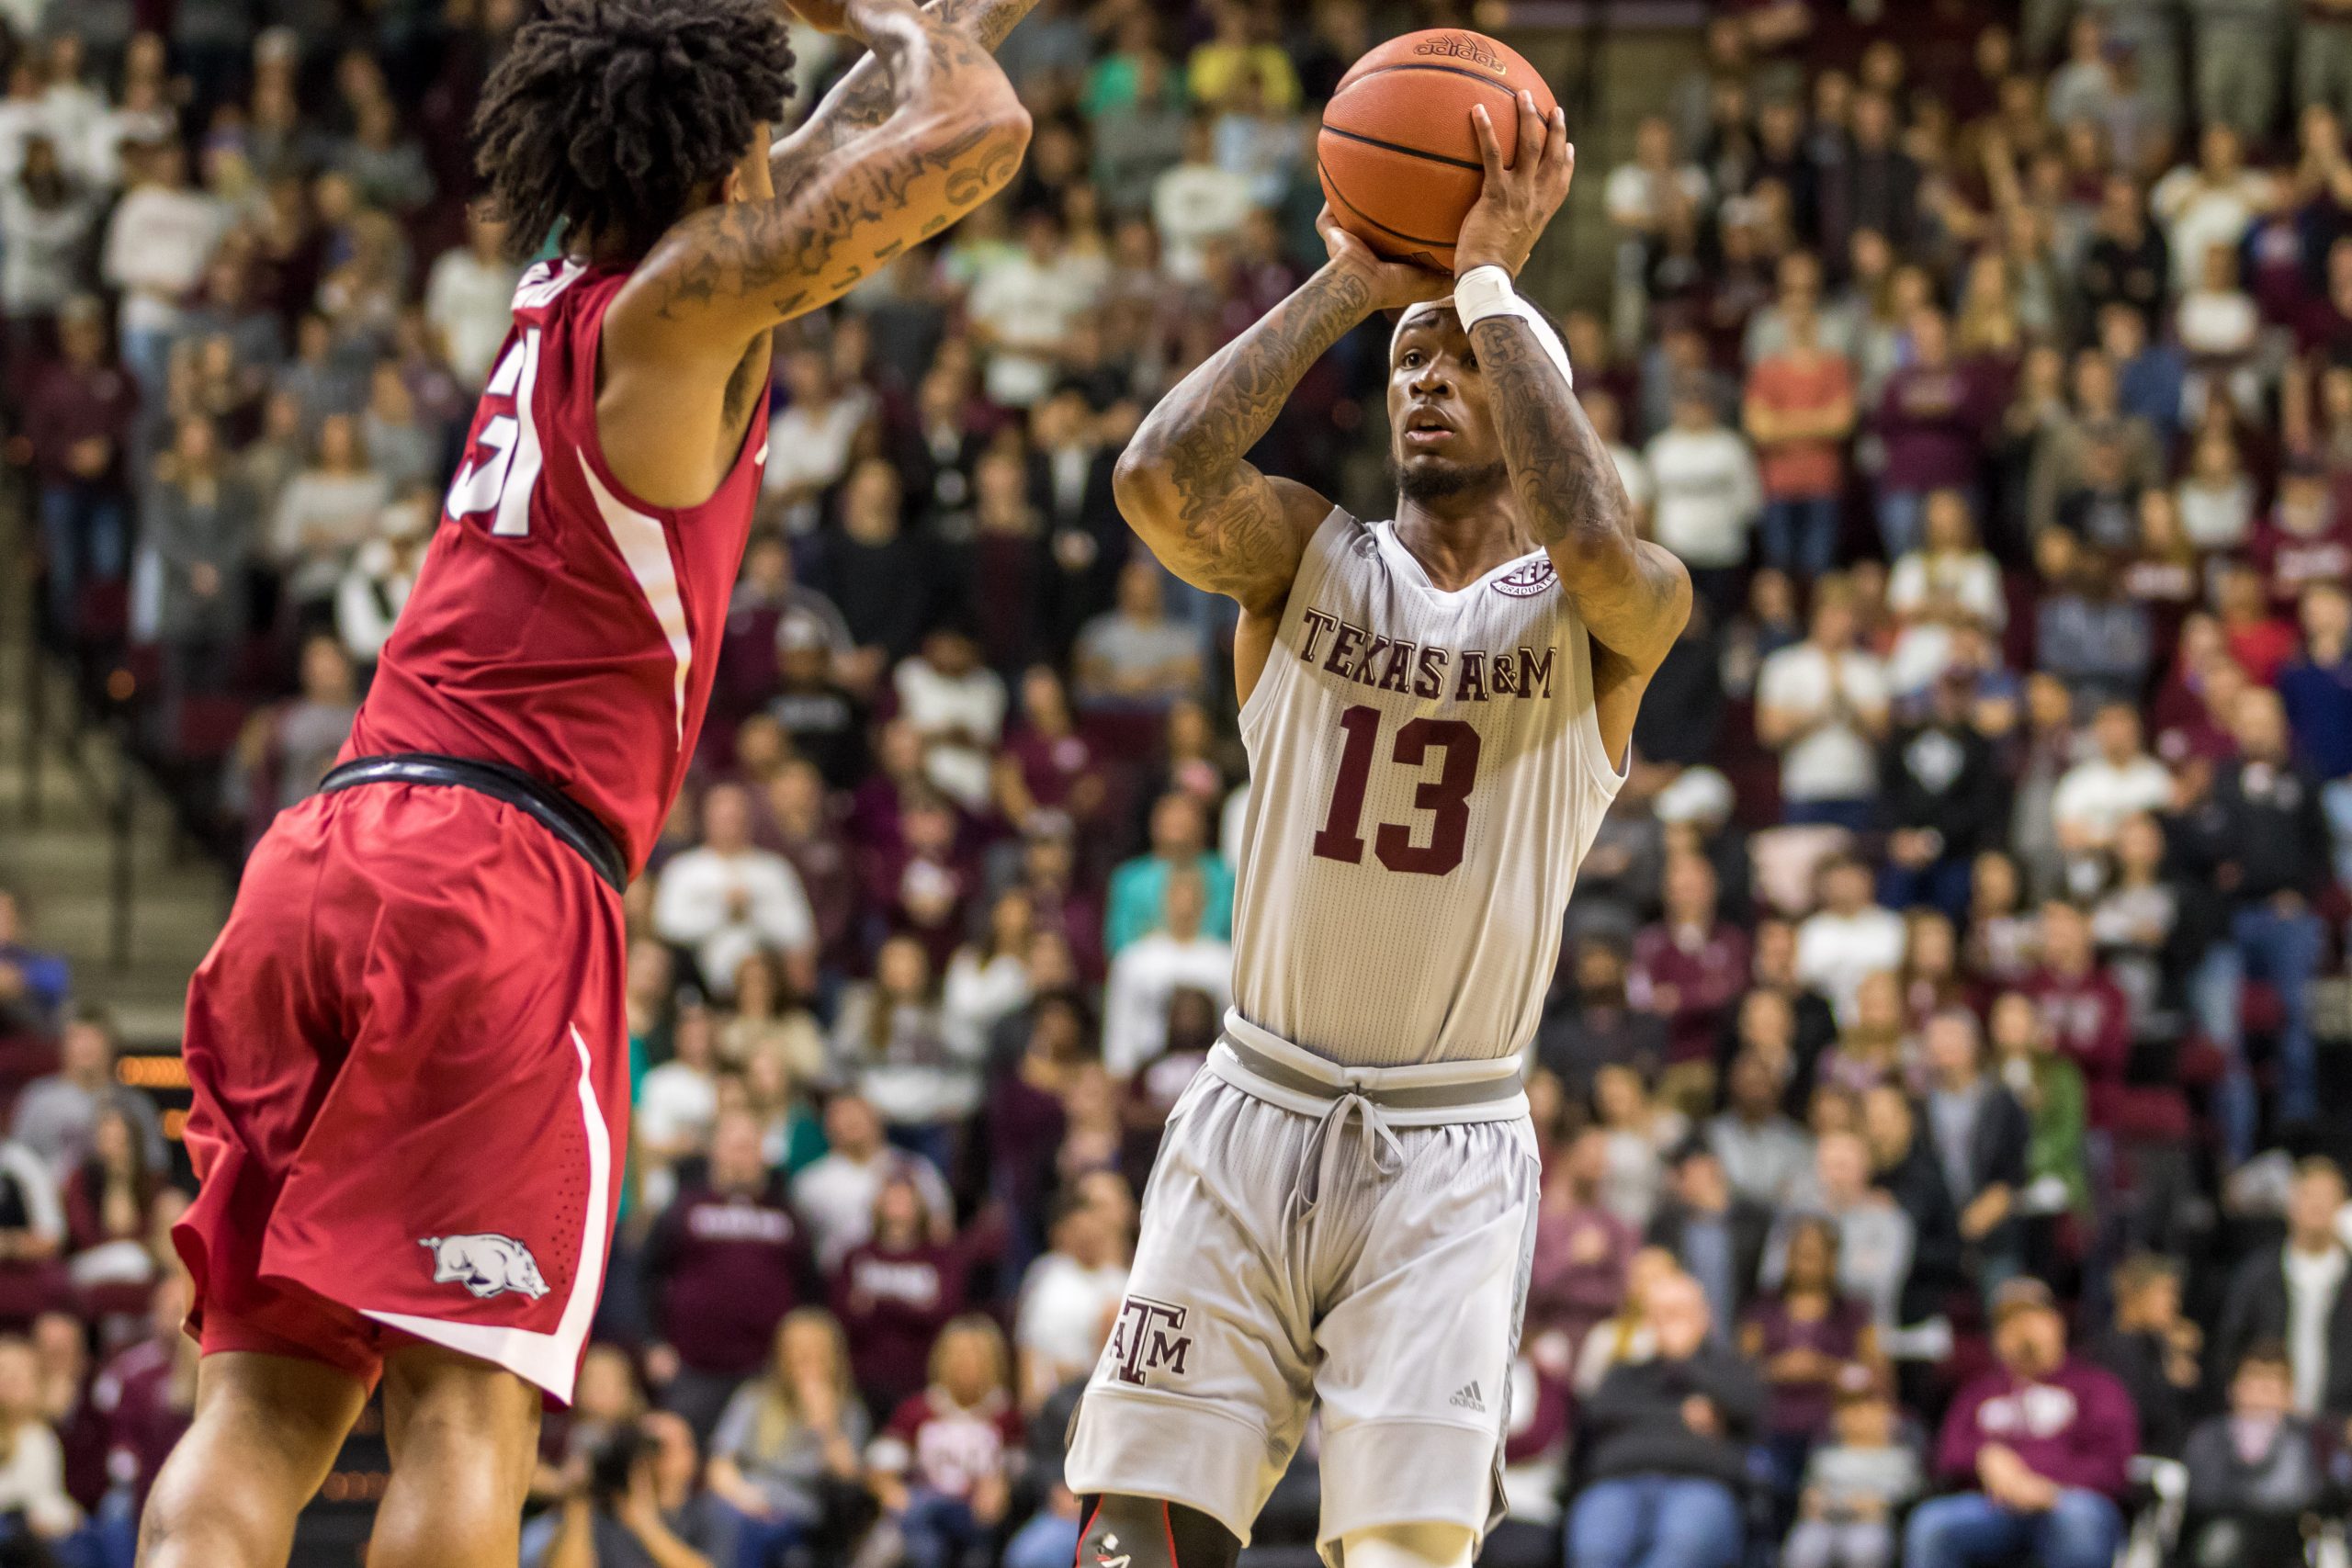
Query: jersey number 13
(1445, 798)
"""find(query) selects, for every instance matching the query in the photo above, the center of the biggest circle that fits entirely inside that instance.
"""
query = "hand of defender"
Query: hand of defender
(1518, 198)
(1394, 285)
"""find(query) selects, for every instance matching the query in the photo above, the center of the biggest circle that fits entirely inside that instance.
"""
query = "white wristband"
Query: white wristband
(1485, 291)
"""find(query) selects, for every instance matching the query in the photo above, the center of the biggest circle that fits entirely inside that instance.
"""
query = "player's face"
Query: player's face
(1442, 434)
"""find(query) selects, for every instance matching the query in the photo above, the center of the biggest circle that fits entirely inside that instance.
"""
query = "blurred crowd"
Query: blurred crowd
(1931, 1091)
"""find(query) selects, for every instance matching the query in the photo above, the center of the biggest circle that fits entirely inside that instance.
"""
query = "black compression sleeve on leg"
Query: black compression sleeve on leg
(1145, 1532)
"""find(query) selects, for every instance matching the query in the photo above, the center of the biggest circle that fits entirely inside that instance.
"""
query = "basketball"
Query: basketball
(1399, 155)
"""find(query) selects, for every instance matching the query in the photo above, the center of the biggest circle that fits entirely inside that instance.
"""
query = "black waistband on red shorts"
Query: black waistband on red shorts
(555, 811)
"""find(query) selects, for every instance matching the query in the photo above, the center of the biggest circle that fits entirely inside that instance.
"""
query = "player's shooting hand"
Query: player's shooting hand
(1394, 285)
(1517, 200)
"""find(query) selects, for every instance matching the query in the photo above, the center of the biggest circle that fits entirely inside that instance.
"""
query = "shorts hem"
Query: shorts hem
(1148, 1444)
(1391, 1471)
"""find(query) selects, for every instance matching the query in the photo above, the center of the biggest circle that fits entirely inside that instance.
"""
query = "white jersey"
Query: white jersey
(1426, 775)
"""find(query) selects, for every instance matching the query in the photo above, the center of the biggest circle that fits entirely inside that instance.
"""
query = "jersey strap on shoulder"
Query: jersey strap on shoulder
(535, 799)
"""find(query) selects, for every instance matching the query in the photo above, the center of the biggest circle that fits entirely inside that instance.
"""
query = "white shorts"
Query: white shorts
(1395, 1299)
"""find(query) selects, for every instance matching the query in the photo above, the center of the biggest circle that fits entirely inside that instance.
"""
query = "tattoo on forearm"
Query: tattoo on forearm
(1563, 476)
(1569, 495)
(1206, 425)
(864, 97)
(782, 249)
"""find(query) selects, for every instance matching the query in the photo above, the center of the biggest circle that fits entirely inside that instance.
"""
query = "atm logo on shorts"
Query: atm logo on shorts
(1149, 1337)
(487, 1265)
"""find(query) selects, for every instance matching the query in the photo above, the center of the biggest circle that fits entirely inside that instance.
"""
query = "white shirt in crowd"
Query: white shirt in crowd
(726, 906)
(1064, 1305)
(470, 301)
(1191, 205)
(1028, 306)
(1708, 494)
(1969, 580)
(2215, 517)
(2094, 796)
(2313, 1281)
(1835, 760)
(808, 448)
(962, 716)
(676, 1106)
(157, 246)
(978, 993)
(1146, 973)
(1836, 953)
(835, 1197)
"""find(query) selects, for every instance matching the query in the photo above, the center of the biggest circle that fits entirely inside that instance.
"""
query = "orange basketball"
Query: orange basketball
(1399, 155)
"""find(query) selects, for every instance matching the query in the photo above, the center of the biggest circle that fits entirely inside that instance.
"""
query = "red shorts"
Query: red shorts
(411, 1067)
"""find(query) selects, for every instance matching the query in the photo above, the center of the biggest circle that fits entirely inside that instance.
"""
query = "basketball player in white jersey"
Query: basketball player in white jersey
(1438, 711)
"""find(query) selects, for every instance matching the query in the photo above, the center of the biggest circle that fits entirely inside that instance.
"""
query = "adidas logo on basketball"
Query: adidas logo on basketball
(1463, 46)
(1467, 1397)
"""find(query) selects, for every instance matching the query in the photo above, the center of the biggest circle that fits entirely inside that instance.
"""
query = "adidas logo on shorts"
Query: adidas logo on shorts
(1468, 1398)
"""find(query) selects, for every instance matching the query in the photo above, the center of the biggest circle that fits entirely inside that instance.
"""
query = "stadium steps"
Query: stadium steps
(61, 859)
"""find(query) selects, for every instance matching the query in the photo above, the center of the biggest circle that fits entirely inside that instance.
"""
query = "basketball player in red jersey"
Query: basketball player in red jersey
(408, 1048)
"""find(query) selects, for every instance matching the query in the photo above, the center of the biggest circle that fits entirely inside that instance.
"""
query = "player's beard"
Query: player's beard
(1425, 481)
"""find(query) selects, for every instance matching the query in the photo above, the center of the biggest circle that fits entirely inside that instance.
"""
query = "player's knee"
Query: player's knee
(1145, 1532)
(451, 1415)
(1427, 1544)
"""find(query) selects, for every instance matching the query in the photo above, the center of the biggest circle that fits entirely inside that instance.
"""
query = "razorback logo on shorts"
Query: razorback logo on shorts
(1149, 1337)
(487, 1265)
(1468, 47)
(1527, 582)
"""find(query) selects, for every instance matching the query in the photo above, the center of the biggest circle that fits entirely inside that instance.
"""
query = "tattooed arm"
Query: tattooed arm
(862, 98)
(952, 137)
(1182, 483)
(1632, 596)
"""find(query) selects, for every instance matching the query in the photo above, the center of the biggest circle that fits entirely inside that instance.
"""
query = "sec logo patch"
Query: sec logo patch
(1527, 582)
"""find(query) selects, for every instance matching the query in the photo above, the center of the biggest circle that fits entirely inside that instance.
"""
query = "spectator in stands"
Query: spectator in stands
(1941, 797)
(57, 1115)
(2038, 1447)
(1716, 1235)
(836, 1194)
(2296, 1296)
(1708, 492)
(200, 534)
(1133, 658)
(34, 983)
(325, 512)
(789, 1443)
(1138, 888)
(1690, 966)
(2118, 781)
(1149, 971)
(893, 1291)
(1875, 1239)
(1071, 1291)
(2316, 687)
(1799, 411)
(1933, 416)
(2254, 1472)
(1822, 705)
(727, 896)
(1764, 1155)
(106, 1199)
(893, 1042)
(1854, 1486)
(2272, 836)
(2088, 1017)
(368, 600)
(1665, 1446)
(944, 1464)
(2152, 1350)
(676, 1103)
(637, 1505)
(1594, 1025)
(1806, 1340)
(1978, 1134)
(724, 1262)
(285, 750)
(158, 241)
(1849, 937)
(77, 429)
(956, 705)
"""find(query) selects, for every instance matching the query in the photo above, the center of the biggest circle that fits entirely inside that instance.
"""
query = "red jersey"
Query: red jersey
(559, 625)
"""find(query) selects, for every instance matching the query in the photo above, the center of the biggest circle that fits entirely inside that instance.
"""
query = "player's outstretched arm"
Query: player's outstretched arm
(1211, 517)
(952, 138)
(864, 97)
(1632, 596)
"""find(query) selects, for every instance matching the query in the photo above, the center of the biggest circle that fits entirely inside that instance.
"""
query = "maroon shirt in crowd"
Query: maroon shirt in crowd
(728, 1266)
(1707, 973)
(2091, 1022)
(1933, 422)
(892, 1302)
(2076, 1428)
(134, 1395)
(72, 404)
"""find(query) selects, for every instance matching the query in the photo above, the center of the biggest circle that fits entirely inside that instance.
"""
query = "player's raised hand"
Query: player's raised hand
(1394, 285)
(1520, 196)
